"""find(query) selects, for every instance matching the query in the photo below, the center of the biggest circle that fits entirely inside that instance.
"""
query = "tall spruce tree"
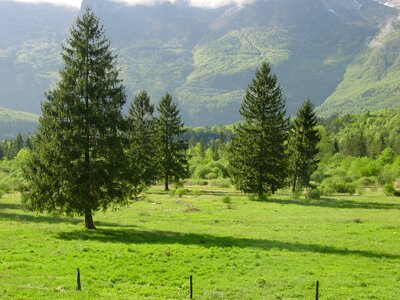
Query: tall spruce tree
(143, 150)
(257, 154)
(173, 157)
(303, 146)
(76, 166)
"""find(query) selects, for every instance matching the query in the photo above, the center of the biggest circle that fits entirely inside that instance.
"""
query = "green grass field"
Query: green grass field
(252, 250)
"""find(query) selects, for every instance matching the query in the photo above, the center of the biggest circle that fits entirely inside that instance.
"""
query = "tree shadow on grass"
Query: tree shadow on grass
(335, 203)
(10, 206)
(132, 236)
(52, 219)
(201, 193)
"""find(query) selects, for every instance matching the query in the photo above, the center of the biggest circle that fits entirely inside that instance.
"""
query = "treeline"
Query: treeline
(9, 148)
(365, 135)
(356, 152)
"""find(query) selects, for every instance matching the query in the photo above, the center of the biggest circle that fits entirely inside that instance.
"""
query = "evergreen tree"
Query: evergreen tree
(143, 156)
(1, 151)
(174, 164)
(303, 146)
(76, 166)
(28, 142)
(18, 144)
(354, 144)
(257, 153)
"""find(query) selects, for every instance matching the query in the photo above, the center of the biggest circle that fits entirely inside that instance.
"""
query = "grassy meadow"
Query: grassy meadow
(245, 249)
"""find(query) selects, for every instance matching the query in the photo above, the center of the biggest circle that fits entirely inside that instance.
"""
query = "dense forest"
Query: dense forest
(356, 152)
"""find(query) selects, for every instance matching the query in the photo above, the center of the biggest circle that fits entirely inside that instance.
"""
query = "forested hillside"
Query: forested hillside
(371, 81)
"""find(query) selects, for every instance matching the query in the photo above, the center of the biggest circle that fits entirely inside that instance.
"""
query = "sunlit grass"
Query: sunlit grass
(245, 250)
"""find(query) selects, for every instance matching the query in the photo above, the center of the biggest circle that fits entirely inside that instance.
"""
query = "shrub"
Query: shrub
(211, 175)
(387, 175)
(314, 194)
(366, 181)
(179, 184)
(392, 189)
(363, 167)
(226, 199)
(5, 186)
(196, 182)
(201, 172)
(181, 192)
(221, 183)
(389, 189)
(338, 185)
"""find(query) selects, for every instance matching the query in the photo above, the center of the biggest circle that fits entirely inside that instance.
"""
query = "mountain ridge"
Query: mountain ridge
(13, 122)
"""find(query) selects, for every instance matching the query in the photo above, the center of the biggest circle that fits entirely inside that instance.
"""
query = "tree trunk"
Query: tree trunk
(260, 195)
(89, 219)
(294, 184)
(166, 182)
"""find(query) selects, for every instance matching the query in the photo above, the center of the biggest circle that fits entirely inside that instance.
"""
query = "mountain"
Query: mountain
(30, 44)
(390, 3)
(204, 57)
(13, 122)
(371, 82)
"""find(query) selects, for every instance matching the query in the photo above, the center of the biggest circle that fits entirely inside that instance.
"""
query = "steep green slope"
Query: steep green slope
(371, 82)
(30, 45)
(13, 122)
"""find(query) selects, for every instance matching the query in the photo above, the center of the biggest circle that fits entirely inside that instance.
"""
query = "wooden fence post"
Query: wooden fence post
(317, 290)
(78, 280)
(191, 287)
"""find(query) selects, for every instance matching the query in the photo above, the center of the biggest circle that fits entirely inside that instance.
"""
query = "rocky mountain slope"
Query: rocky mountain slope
(371, 82)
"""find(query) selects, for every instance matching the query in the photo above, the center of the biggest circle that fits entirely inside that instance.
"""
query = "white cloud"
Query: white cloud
(197, 3)
(70, 3)
(217, 3)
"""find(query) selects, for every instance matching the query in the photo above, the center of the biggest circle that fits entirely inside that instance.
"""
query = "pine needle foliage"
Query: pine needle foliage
(76, 166)
(303, 146)
(143, 150)
(258, 152)
(173, 156)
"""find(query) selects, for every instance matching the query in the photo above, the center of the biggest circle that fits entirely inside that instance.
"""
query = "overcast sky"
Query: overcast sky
(199, 3)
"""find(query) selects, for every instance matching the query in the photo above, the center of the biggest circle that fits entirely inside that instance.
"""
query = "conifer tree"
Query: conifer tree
(76, 166)
(143, 154)
(257, 153)
(303, 146)
(173, 157)
(1, 151)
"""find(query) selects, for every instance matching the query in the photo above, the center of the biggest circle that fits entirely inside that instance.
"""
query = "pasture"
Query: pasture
(245, 249)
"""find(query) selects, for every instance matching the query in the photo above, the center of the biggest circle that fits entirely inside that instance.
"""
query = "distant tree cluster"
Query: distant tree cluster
(267, 150)
(9, 148)
(365, 135)
(359, 152)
